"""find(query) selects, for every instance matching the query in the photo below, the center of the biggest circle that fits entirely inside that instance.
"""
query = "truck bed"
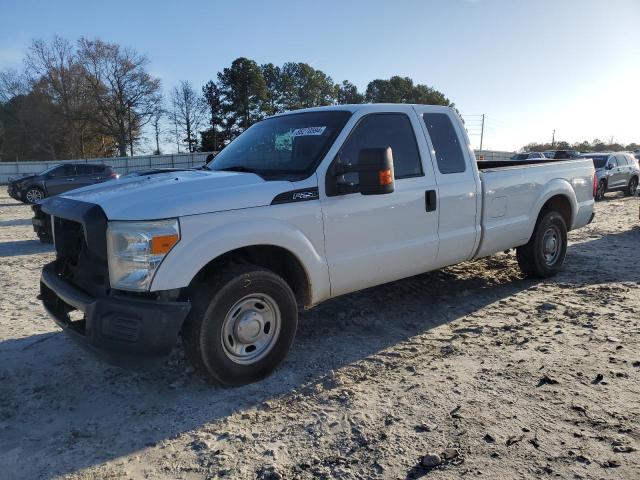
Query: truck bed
(491, 164)
(513, 194)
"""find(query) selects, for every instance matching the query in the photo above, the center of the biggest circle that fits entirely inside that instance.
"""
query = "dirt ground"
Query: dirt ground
(501, 377)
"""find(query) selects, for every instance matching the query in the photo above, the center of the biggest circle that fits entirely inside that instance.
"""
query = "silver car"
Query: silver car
(615, 171)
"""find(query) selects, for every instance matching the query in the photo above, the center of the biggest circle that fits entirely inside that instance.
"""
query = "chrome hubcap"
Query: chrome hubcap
(34, 196)
(551, 245)
(251, 329)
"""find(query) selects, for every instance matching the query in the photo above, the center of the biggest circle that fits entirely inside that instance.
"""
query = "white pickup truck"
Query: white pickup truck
(300, 208)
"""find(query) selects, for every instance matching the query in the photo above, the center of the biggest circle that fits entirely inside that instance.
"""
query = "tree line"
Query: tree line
(81, 100)
(93, 98)
(585, 146)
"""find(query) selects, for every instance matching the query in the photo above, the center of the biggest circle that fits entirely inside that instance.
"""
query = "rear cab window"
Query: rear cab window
(446, 143)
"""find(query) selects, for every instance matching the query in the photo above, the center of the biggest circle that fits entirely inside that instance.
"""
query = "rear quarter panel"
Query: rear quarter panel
(514, 196)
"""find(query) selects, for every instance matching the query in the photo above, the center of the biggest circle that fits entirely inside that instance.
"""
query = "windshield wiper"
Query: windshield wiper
(237, 168)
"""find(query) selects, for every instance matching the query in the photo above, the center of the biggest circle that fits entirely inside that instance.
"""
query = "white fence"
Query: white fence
(492, 155)
(121, 165)
(125, 165)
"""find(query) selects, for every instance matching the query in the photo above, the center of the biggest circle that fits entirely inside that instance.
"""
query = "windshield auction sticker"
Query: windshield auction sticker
(300, 132)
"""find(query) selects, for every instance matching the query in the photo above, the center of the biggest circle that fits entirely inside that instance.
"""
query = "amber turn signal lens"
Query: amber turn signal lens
(385, 177)
(163, 243)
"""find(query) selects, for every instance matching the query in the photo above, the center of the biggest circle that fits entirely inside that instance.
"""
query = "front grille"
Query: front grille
(79, 232)
(69, 239)
(76, 263)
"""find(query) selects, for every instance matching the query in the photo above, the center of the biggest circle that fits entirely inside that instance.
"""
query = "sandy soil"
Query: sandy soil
(499, 376)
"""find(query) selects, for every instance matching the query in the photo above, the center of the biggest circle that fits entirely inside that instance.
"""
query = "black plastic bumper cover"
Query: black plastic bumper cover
(113, 324)
(14, 193)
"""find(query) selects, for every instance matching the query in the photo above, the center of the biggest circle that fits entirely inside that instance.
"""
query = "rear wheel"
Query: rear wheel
(632, 187)
(241, 325)
(543, 256)
(601, 190)
(33, 195)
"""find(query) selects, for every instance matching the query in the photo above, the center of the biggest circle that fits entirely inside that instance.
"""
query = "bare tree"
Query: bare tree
(189, 112)
(12, 84)
(157, 124)
(53, 69)
(125, 94)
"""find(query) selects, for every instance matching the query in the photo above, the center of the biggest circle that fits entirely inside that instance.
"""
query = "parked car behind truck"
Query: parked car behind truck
(58, 179)
(528, 156)
(300, 208)
(615, 172)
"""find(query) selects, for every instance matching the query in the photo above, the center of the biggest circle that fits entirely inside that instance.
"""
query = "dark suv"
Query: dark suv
(58, 179)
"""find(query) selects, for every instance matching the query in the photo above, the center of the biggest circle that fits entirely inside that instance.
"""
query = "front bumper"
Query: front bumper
(14, 193)
(113, 325)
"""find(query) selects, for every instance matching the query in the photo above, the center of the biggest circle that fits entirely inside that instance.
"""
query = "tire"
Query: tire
(630, 191)
(544, 254)
(241, 324)
(33, 195)
(601, 190)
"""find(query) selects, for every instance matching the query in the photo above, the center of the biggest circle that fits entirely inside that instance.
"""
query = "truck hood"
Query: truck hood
(176, 194)
(16, 180)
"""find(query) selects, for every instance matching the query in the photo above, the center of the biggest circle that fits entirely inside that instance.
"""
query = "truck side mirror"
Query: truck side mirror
(609, 166)
(374, 169)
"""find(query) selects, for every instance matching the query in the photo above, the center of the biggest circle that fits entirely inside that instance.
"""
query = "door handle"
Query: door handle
(70, 179)
(430, 200)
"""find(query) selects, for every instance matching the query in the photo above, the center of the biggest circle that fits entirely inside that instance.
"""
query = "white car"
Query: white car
(300, 208)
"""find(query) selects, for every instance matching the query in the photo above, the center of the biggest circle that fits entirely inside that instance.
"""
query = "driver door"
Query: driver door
(60, 179)
(374, 239)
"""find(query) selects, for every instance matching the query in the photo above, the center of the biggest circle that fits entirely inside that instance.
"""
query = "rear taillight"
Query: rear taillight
(595, 185)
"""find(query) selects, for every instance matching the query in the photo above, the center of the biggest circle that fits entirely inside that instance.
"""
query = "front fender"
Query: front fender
(206, 237)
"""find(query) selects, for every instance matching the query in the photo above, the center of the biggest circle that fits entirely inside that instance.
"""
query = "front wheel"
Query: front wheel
(33, 195)
(241, 324)
(543, 256)
(632, 187)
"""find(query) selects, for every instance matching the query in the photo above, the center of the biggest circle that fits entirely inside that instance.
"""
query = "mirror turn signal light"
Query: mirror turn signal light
(163, 243)
(385, 177)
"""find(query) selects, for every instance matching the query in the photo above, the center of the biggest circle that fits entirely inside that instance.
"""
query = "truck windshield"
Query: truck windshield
(285, 146)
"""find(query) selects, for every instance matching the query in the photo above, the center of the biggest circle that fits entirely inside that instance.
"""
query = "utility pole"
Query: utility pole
(482, 132)
(553, 138)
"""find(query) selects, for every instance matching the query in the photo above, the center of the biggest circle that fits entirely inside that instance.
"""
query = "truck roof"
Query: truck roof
(355, 107)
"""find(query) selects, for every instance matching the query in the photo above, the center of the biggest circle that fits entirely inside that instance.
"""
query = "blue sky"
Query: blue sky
(530, 65)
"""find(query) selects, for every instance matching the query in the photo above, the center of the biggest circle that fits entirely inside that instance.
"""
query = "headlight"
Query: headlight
(136, 249)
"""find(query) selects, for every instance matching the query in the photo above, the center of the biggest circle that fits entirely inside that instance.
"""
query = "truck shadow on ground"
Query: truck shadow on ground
(23, 247)
(57, 401)
(15, 223)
